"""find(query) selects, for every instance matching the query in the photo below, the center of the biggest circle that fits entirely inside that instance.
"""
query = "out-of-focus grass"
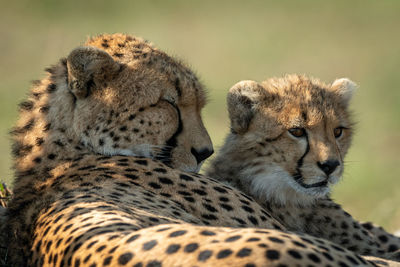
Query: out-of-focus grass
(228, 41)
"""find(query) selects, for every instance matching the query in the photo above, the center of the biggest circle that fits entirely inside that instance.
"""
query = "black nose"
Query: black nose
(201, 154)
(328, 166)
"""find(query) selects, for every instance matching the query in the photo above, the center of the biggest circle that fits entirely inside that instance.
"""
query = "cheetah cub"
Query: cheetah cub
(286, 148)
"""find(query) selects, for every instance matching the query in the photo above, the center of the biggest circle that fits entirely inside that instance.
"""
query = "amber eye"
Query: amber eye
(337, 132)
(297, 132)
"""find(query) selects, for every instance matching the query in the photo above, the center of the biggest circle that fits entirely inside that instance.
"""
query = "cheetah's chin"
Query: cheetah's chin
(277, 185)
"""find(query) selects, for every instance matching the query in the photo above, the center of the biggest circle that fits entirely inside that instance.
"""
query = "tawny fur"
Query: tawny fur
(264, 159)
(100, 152)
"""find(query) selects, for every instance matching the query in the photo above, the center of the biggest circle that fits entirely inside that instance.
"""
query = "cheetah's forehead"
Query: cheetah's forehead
(300, 101)
(140, 56)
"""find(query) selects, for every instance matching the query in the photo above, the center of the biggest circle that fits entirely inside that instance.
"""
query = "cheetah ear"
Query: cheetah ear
(87, 66)
(344, 88)
(242, 98)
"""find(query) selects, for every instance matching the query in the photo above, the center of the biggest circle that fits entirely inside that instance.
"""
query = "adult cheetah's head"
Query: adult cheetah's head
(116, 95)
(293, 132)
(133, 99)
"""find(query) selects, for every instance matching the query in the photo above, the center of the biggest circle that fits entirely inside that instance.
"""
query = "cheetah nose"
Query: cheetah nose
(201, 154)
(328, 166)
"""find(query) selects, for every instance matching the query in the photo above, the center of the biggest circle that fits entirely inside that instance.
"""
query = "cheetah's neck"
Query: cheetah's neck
(43, 138)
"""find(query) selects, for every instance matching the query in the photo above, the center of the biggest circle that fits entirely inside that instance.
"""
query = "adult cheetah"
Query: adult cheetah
(288, 140)
(105, 150)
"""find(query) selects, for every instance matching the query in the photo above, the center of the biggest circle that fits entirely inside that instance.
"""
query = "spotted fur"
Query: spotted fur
(101, 149)
(286, 148)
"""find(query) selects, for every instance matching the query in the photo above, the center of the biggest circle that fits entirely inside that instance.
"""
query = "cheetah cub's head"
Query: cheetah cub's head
(292, 134)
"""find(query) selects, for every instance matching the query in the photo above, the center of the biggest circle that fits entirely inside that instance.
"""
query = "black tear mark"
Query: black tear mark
(165, 155)
(178, 87)
(297, 176)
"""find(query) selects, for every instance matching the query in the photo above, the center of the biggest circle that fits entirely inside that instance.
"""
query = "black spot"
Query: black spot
(190, 199)
(107, 261)
(47, 127)
(344, 225)
(226, 207)
(248, 209)
(160, 170)
(207, 233)
(51, 156)
(125, 258)
(191, 247)
(307, 240)
(149, 245)
(233, 238)
(367, 226)
(131, 176)
(294, 254)
(224, 253)
(392, 248)
(209, 217)
(173, 248)
(253, 239)
(48, 246)
(186, 177)
(275, 240)
(39, 141)
(165, 180)
(220, 189)
(153, 263)
(141, 162)
(338, 248)
(26, 105)
(253, 220)
(44, 109)
(37, 160)
(224, 199)
(209, 207)
(118, 55)
(154, 185)
(58, 143)
(239, 220)
(123, 128)
(327, 256)
(51, 88)
(353, 261)
(101, 248)
(383, 238)
(314, 258)
(133, 238)
(204, 255)
(342, 264)
(131, 117)
(244, 252)
(272, 254)
(177, 233)
(199, 192)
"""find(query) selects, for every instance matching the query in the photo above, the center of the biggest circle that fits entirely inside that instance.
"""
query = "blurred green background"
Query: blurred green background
(228, 41)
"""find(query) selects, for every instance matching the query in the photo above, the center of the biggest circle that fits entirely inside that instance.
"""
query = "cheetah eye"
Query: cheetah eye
(297, 132)
(337, 132)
